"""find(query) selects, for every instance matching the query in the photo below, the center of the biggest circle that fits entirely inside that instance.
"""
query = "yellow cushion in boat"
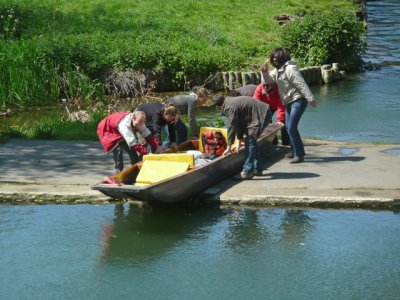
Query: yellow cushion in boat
(153, 171)
(177, 157)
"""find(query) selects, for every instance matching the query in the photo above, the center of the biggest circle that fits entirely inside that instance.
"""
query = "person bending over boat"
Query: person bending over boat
(122, 131)
(158, 116)
(269, 94)
(294, 92)
(187, 104)
(245, 117)
(244, 90)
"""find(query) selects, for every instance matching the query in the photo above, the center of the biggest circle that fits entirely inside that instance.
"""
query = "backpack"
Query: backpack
(214, 143)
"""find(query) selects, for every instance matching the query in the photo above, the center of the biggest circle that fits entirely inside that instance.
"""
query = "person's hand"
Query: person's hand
(265, 67)
(174, 146)
(140, 148)
(280, 124)
(158, 150)
(228, 150)
(313, 104)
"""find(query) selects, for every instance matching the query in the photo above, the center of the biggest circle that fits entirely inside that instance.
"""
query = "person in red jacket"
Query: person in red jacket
(123, 131)
(269, 94)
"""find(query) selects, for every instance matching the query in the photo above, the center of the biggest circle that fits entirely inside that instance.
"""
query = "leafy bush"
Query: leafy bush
(322, 38)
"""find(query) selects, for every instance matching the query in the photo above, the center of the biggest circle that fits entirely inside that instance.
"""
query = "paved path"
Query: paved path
(333, 174)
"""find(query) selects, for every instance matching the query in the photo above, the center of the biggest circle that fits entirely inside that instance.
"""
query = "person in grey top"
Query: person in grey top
(295, 95)
(187, 104)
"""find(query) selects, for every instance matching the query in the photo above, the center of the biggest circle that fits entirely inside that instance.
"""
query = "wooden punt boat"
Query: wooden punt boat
(185, 185)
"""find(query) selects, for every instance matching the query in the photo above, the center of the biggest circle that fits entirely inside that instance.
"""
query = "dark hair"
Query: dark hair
(218, 100)
(282, 57)
(234, 93)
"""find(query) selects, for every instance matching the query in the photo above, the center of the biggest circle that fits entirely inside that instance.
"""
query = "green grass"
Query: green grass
(56, 126)
(45, 42)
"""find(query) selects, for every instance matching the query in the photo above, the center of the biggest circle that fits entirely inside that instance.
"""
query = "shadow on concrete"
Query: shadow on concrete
(333, 159)
(284, 175)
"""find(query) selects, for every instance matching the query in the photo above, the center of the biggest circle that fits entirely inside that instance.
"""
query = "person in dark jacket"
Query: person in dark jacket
(246, 118)
(187, 104)
(123, 131)
(158, 116)
(269, 94)
(244, 90)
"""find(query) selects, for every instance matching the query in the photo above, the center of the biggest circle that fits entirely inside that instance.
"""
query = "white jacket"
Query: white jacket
(291, 83)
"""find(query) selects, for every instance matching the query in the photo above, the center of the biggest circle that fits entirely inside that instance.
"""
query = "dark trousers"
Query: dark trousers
(285, 139)
(180, 133)
(118, 155)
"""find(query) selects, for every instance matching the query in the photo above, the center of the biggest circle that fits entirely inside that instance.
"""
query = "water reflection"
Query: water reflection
(295, 226)
(246, 229)
(147, 236)
(141, 234)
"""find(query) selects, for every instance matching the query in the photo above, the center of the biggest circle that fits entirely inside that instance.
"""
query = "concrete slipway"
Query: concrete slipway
(333, 175)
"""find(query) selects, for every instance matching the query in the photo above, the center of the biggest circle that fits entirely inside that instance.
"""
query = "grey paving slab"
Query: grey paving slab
(332, 173)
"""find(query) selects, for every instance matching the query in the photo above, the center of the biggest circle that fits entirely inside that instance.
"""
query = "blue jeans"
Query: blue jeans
(252, 155)
(294, 111)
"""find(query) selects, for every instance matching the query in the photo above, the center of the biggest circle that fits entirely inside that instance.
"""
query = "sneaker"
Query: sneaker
(289, 155)
(258, 173)
(246, 176)
(297, 160)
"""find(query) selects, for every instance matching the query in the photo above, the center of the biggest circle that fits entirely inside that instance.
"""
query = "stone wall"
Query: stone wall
(161, 81)
(312, 75)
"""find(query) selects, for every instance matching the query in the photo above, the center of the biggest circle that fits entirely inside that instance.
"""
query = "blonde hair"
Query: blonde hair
(200, 91)
(139, 115)
(171, 110)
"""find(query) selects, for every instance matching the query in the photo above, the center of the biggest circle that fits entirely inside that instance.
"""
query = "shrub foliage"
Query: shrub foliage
(322, 38)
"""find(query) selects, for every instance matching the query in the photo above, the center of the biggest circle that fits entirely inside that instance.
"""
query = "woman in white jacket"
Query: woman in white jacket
(295, 94)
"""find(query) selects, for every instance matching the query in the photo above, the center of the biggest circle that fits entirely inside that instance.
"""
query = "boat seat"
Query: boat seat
(175, 157)
(153, 171)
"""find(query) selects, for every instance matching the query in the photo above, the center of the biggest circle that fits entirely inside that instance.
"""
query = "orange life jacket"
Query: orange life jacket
(214, 142)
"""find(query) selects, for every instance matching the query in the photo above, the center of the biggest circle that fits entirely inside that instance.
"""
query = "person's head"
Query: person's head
(202, 94)
(139, 118)
(234, 93)
(278, 57)
(268, 88)
(171, 113)
(218, 101)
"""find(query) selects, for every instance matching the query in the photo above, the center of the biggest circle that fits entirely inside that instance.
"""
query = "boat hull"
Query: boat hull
(186, 185)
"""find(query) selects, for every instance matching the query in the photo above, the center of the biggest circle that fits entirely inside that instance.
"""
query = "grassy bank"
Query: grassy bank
(52, 49)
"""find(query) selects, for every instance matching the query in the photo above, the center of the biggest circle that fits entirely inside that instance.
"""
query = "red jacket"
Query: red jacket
(107, 130)
(273, 100)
